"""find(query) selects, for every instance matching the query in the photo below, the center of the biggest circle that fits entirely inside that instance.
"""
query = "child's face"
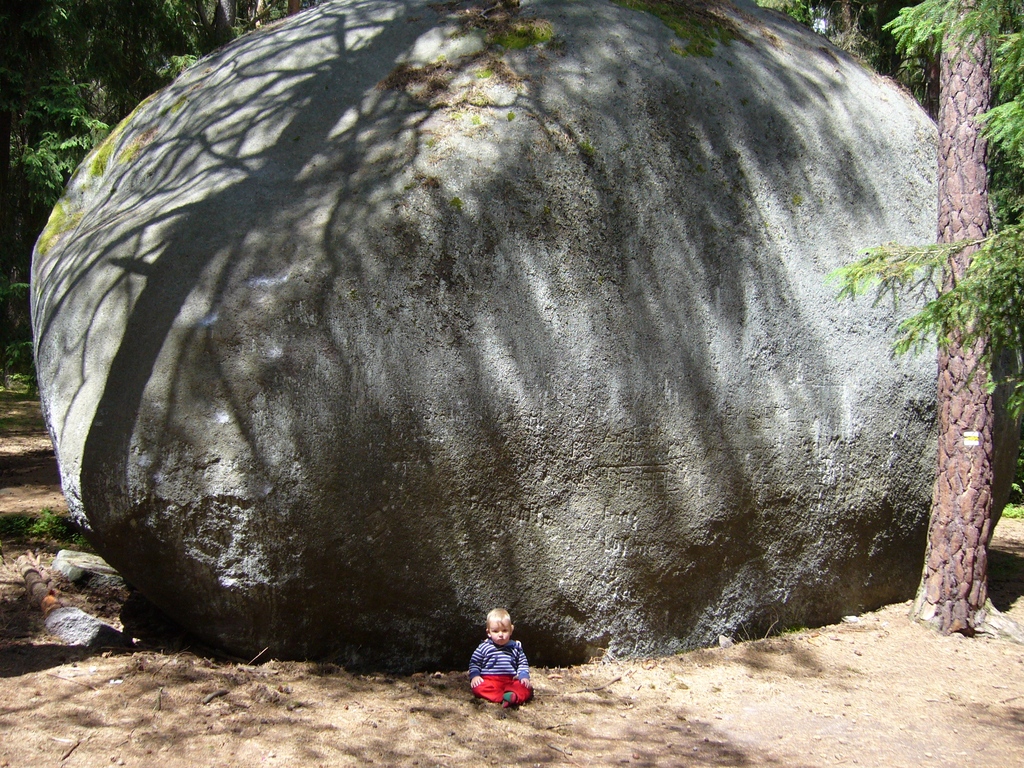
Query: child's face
(499, 631)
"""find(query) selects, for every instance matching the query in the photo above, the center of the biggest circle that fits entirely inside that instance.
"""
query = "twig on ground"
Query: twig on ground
(69, 750)
(597, 688)
(566, 752)
(126, 740)
(216, 694)
(253, 659)
(222, 655)
(69, 680)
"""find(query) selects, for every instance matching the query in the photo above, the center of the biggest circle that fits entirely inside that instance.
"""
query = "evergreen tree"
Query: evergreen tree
(954, 587)
(69, 71)
(977, 315)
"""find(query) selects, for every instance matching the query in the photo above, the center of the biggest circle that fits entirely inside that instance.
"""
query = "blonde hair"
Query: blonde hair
(498, 616)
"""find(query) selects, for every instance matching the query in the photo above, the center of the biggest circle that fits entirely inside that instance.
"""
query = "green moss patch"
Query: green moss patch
(523, 33)
(98, 166)
(137, 144)
(700, 25)
(60, 221)
(101, 159)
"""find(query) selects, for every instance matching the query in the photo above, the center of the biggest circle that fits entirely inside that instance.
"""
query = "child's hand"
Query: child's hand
(475, 681)
(526, 683)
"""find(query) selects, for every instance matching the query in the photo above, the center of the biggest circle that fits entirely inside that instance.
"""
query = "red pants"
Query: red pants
(494, 687)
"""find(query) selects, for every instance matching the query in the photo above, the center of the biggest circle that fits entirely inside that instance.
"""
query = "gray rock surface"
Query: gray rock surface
(364, 326)
(87, 569)
(76, 627)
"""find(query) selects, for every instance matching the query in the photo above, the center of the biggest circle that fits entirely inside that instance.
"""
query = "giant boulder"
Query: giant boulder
(398, 311)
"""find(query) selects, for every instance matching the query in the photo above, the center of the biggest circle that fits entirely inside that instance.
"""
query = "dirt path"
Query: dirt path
(878, 691)
(28, 472)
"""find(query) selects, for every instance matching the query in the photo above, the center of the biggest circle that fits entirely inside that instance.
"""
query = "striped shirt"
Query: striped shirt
(491, 659)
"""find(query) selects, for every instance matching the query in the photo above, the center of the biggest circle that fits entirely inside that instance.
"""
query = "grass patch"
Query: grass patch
(1014, 511)
(48, 526)
(792, 630)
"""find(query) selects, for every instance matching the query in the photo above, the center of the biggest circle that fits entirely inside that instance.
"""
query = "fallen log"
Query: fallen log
(72, 625)
(37, 585)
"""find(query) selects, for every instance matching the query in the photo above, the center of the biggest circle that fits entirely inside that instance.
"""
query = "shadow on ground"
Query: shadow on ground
(1005, 575)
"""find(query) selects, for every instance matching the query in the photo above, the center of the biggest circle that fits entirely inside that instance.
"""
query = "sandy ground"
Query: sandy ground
(28, 472)
(877, 691)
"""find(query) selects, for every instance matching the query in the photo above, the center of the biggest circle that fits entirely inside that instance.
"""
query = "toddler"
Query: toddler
(498, 670)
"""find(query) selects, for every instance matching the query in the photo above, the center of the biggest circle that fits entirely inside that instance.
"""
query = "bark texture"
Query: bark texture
(6, 126)
(37, 586)
(224, 16)
(954, 585)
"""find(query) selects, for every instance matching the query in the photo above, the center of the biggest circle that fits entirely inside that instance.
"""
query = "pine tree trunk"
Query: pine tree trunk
(6, 125)
(6, 231)
(224, 14)
(954, 587)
